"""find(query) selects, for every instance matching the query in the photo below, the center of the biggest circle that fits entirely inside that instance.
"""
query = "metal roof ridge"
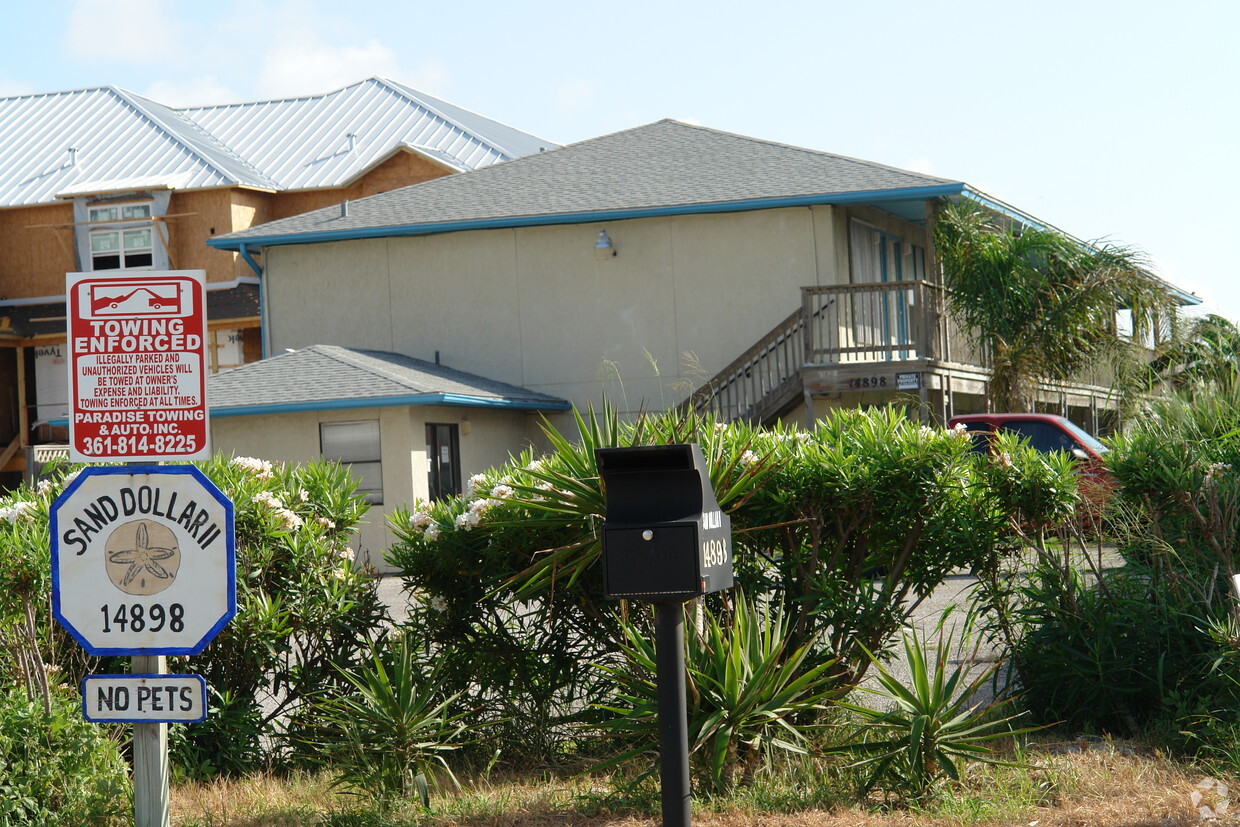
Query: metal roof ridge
(284, 99)
(419, 97)
(148, 108)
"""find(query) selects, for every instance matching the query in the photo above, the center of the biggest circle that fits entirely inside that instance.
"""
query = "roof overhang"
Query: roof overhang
(451, 400)
(118, 186)
(890, 197)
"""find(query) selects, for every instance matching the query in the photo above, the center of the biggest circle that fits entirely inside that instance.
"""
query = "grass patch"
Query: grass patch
(1097, 782)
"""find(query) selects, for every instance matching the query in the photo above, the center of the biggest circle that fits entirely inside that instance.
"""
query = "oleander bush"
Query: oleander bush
(305, 610)
(1152, 645)
(845, 528)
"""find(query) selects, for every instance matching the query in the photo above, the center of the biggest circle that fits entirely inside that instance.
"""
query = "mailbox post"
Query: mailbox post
(665, 541)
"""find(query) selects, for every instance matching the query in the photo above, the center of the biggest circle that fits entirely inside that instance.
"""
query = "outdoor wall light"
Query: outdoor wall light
(603, 248)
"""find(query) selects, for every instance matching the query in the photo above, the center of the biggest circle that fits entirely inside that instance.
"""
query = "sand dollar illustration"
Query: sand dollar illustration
(142, 557)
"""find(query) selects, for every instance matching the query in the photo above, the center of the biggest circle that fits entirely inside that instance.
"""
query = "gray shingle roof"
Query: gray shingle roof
(327, 377)
(124, 141)
(665, 166)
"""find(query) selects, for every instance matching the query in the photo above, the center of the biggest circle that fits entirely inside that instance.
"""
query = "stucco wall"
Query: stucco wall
(536, 307)
(487, 438)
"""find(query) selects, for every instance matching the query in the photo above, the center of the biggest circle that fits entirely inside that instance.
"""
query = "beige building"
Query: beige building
(639, 267)
(103, 179)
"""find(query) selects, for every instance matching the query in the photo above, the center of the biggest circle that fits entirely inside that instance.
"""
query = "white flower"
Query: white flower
(288, 520)
(501, 492)
(44, 487)
(1005, 459)
(326, 523)
(260, 468)
(536, 465)
(432, 533)
(959, 429)
(439, 604)
(421, 517)
(749, 458)
(472, 486)
(303, 495)
(17, 511)
(925, 431)
(268, 499)
(345, 553)
(71, 476)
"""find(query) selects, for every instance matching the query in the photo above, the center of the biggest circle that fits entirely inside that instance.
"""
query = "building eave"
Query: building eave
(588, 217)
(421, 399)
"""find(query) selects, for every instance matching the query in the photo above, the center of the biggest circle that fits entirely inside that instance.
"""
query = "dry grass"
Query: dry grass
(1100, 783)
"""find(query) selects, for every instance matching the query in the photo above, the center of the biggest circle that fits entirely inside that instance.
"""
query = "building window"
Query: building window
(356, 445)
(126, 246)
(443, 460)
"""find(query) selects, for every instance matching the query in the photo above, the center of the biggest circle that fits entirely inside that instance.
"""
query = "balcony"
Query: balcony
(888, 339)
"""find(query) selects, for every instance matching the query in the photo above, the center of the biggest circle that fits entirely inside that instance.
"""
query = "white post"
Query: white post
(150, 757)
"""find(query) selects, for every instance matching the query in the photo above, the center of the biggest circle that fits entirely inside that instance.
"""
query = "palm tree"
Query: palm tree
(1041, 304)
(1207, 354)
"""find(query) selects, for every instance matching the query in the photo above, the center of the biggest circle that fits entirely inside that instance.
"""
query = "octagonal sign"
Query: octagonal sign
(143, 560)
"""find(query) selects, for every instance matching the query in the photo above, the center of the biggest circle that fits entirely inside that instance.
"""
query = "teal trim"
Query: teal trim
(447, 399)
(868, 197)
(249, 259)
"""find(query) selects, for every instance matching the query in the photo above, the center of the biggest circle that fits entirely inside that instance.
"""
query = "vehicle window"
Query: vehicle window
(1042, 436)
(979, 435)
(1084, 436)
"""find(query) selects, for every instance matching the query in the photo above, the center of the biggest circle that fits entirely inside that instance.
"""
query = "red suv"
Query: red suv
(1047, 432)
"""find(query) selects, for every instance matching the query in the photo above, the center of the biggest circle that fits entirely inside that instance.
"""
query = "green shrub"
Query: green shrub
(928, 729)
(57, 768)
(751, 694)
(1139, 646)
(387, 737)
(304, 610)
(847, 527)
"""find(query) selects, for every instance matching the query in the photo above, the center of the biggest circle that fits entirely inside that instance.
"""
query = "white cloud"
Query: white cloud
(299, 63)
(132, 31)
(200, 91)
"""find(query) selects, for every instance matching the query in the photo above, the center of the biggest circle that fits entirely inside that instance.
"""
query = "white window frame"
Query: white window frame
(124, 221)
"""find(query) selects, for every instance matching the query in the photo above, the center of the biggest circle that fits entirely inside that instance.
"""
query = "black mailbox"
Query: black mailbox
(665, 539)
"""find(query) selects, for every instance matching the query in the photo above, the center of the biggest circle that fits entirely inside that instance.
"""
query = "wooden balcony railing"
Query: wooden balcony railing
(847, 325)
(853, 323)
(890, 321)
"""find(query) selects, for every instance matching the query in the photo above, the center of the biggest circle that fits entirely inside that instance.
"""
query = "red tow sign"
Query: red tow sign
(137, 378)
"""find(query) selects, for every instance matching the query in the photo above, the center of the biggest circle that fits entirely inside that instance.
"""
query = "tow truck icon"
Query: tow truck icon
(135, 299)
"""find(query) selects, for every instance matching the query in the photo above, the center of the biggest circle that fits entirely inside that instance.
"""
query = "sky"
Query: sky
(1112, 120)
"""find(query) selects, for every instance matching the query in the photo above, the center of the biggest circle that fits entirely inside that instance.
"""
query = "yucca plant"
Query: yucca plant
(927, 729)
(750, 694)
(390, 735)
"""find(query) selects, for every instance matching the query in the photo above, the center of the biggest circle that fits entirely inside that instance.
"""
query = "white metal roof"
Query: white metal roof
(64, 143)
